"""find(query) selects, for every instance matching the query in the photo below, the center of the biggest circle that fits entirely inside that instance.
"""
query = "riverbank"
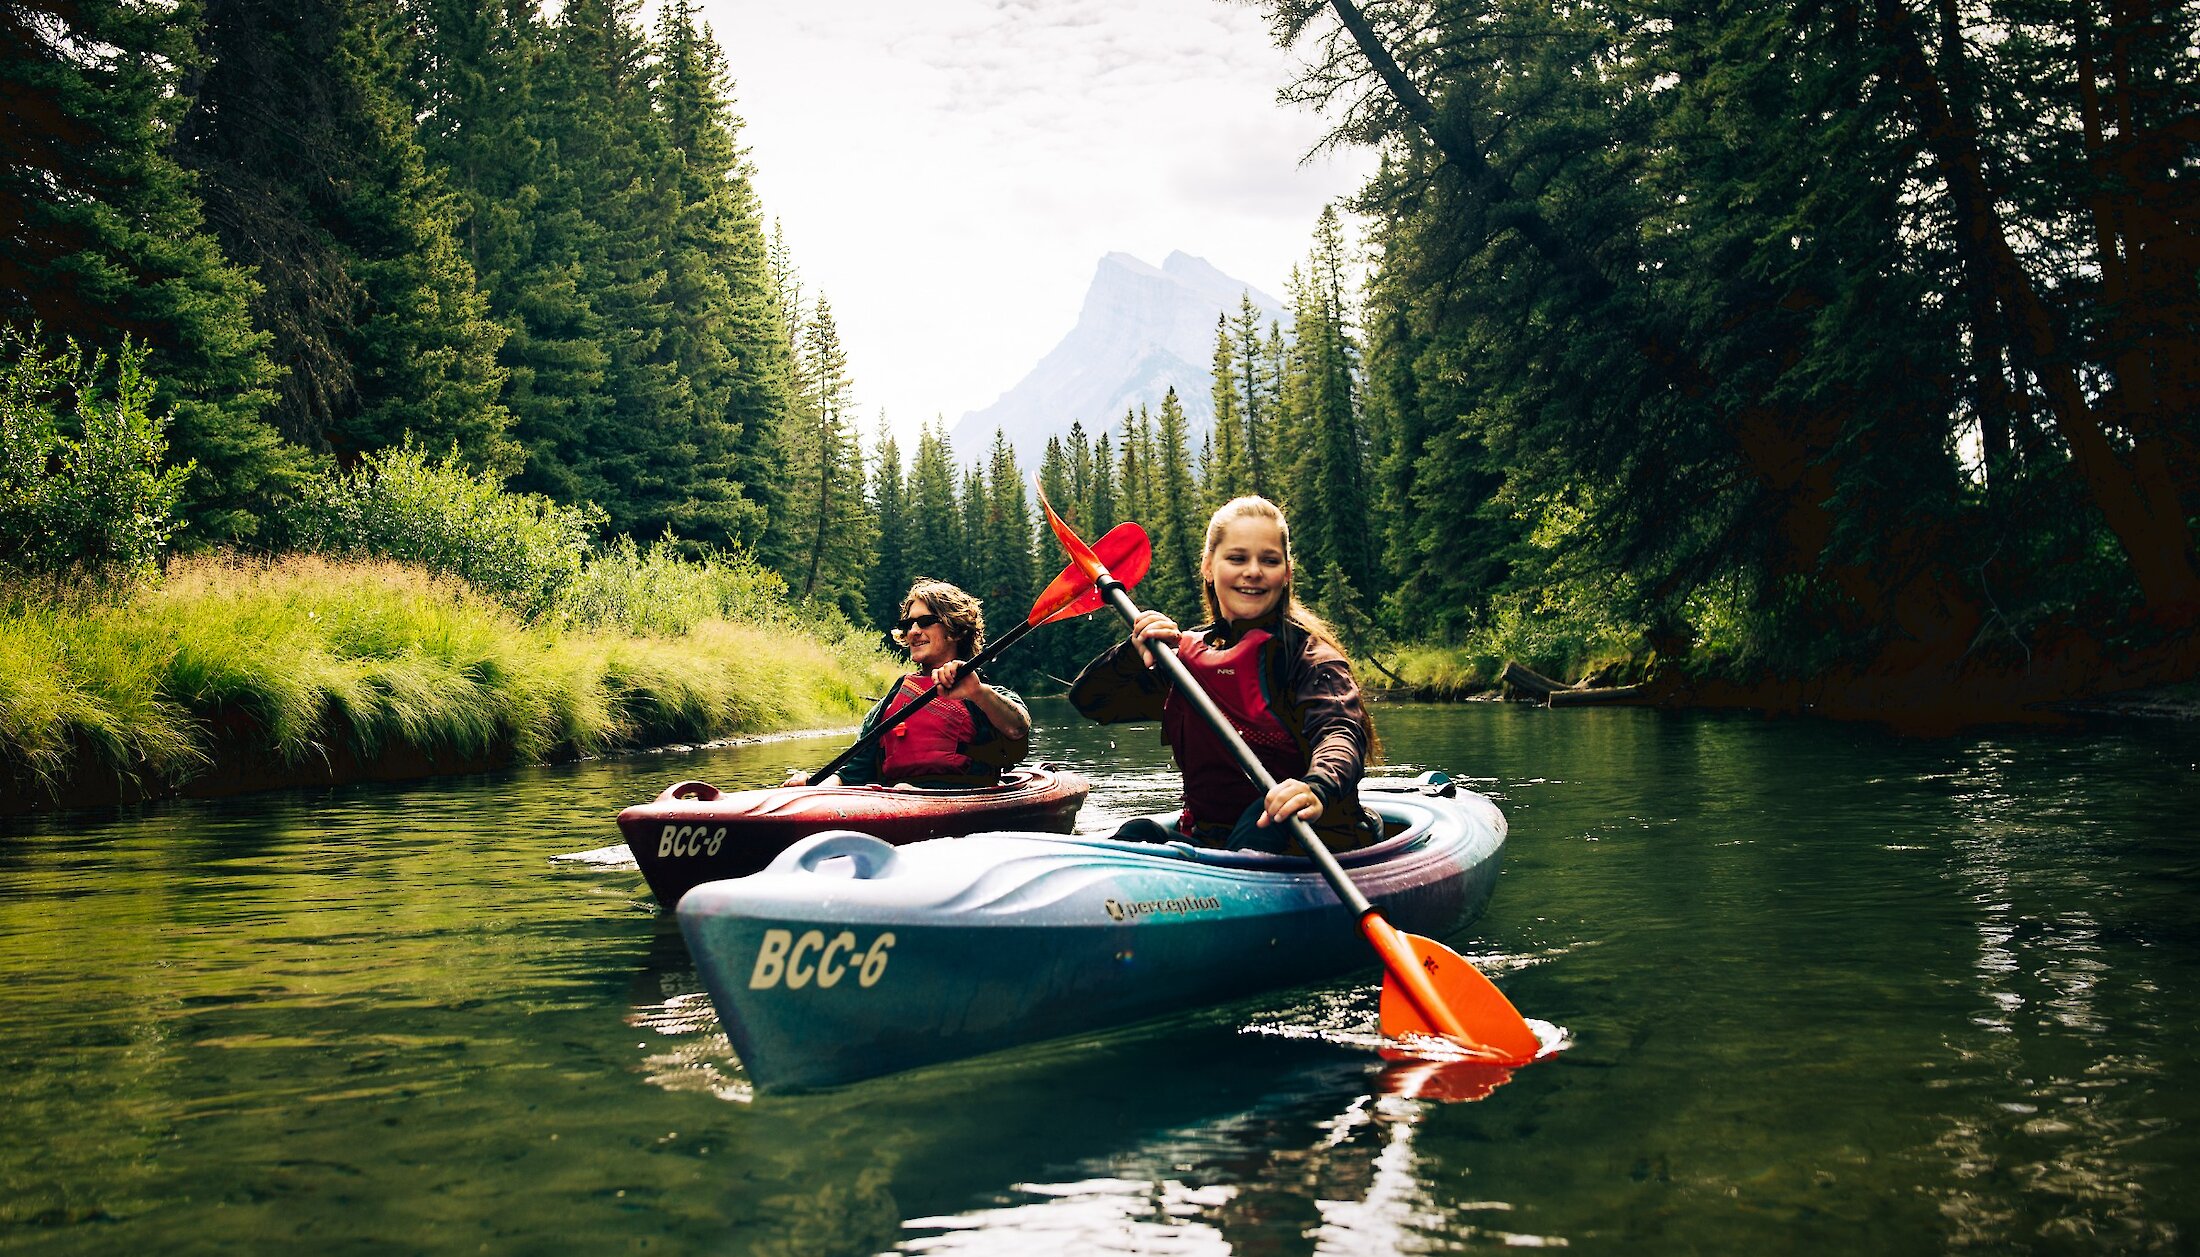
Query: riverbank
(236, 675)
(2064, 681)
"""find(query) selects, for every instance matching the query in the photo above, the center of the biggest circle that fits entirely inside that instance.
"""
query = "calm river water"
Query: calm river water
(1828, 991)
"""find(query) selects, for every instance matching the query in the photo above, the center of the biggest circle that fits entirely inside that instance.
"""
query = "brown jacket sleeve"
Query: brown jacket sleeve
(1324, 707)
(1118, 688)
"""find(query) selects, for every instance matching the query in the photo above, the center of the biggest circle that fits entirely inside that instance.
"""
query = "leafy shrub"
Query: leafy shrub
(1564, 632)
(89, 499)
(520, 547)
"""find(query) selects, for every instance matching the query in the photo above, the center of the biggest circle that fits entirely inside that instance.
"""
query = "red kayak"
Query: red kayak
(695, 833)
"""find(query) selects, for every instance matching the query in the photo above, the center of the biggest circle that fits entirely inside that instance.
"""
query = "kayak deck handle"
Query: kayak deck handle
(867, 857)
(1435, 783)
(701, 790)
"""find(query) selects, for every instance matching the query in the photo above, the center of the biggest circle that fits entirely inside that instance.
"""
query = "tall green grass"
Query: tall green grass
(85, 684)
(654, 590)
(306, 657)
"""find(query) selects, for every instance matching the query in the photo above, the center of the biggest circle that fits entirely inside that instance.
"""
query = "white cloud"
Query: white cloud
(949, 172)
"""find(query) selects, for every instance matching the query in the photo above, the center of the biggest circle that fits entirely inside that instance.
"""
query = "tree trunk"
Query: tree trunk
(2139, 499)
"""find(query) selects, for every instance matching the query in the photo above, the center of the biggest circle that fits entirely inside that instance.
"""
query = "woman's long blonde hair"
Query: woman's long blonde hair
(1254, 507)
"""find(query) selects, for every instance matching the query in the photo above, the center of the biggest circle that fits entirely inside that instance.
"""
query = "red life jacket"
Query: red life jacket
(930, 743)
(1216, 790)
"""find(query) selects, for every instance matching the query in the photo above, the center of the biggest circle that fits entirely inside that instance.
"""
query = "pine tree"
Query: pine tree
(1134, 479)
(1443, 536)
(1057, 481)
(935, 518)
(374, 308)
(104, 239)
(1077, 474)
(600, 117)
(835, 533)
(1079, 480)
(1173, 504)
(888, 578)
(1008, 537)
(1329, 514)
(485, 72)
(1296, 396)
(1252, 387)
(1229, 470)
(1104, 506)
(973, 567)
(787, 283)
(776, 548)
(1275, 437)
(728, 337)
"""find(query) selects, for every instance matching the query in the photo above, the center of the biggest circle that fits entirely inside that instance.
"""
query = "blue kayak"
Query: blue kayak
(846, 958)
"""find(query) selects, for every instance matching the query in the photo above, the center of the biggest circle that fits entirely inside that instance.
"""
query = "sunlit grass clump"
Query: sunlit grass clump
(1442, 671)
(88, 684)
(310, 659)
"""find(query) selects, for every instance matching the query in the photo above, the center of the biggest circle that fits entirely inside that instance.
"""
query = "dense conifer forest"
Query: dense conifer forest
(1837, 356)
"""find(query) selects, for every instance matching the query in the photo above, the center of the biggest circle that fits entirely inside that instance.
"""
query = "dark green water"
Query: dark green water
(1828, 991)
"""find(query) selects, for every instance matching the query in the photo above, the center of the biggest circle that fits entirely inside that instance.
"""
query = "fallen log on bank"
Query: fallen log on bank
(1522, 681)
(1519, 679)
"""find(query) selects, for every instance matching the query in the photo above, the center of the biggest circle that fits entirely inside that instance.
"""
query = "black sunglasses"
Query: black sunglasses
(915, 621)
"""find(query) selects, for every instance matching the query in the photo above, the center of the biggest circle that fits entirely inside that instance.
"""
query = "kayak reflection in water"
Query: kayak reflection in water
(968, 737)
(1276, 671)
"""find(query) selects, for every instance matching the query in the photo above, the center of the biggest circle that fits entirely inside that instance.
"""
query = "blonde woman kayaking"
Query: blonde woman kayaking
(1275, 670)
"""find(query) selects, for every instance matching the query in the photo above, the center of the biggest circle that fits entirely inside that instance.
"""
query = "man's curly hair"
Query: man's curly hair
(961, 613)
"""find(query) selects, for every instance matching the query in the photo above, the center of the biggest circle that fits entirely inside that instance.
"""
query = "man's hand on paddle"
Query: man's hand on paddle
(953, 683)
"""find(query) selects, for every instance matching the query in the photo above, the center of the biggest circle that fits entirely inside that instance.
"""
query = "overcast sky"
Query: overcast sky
(949, 172)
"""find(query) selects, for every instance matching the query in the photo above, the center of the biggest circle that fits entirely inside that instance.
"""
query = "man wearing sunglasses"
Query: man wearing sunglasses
(970, 735)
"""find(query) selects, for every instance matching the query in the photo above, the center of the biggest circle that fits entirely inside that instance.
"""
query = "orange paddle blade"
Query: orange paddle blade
(1128, 555)
(1430, 989)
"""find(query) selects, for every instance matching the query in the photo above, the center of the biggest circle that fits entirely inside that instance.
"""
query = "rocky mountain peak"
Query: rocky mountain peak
(1141, 330)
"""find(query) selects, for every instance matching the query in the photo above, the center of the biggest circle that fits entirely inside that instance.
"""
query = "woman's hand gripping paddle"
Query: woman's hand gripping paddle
(1427, 987)
(1128, 553)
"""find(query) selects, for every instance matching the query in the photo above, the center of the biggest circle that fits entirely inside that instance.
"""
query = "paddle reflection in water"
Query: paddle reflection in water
(1327, 1152)
(1214, 1132)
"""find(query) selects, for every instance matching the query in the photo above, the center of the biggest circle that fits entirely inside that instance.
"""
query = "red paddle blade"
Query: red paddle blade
(1430, 989)
(1079, 552)
(1058, 597)
(1125, 551)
